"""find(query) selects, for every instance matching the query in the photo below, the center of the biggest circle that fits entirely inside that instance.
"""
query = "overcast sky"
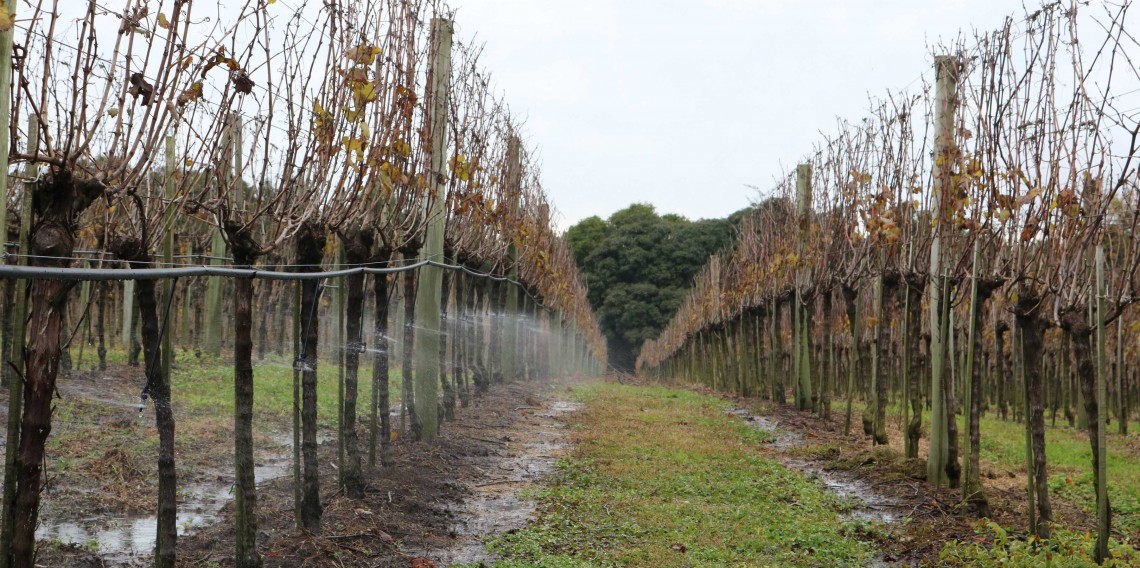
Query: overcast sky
(681, 103)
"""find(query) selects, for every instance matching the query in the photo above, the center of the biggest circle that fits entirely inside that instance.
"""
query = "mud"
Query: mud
(864, 501)
(496, 504)
(437, 502)
(122, 539)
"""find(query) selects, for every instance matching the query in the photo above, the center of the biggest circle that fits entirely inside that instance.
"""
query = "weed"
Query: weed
(663, 477)
(994, 546)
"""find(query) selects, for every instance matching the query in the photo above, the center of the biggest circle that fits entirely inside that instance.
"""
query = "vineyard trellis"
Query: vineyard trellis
(231, 169)
(1001, 200)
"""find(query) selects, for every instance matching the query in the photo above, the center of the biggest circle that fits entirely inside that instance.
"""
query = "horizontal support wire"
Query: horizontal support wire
(17, 272)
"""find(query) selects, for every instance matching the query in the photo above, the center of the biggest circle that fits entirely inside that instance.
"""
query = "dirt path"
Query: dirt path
(528, 449)
(438, 502)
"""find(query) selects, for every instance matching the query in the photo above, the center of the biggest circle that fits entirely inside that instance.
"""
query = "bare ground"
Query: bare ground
(433, 507)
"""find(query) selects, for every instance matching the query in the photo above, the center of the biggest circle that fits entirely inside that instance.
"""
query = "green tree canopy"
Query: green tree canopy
(638, 265)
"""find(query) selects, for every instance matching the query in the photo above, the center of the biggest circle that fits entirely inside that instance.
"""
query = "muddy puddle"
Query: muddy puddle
(499, 503)
(866, 504)
(123, 539)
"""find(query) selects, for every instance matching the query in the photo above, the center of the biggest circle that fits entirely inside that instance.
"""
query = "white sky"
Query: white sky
(680, 103)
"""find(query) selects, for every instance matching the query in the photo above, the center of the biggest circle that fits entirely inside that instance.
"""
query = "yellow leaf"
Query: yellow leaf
(385, 179)
(162, 21)
(352, 115)
(363, 54)
(355, 145)
(1029, 196)
(364, 93)
(322, 121)
(5, 18)
(191, 94)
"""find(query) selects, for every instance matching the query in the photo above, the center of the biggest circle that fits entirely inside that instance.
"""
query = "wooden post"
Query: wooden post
(802, 314)
(972, 486)
(1103, 513)
(85, 324)
(340, 348)
(298, 363)
(128, 313)
(775, 348)
(879, 421)
(946, 96)
(554, 344)
(511, 315)
(431, 278)
(906, 397)
(5, 127)
(851, 299)
(168, 253)
(795, 360)
(6, 115)
(212, 344)
(212, 340)
(1121, 394)
(1030, 459)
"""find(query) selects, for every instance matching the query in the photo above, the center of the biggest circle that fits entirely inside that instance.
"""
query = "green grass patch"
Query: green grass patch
(1070, 462)
(663, 477)
(203, 385)
(1070, 466)
(103, 437)
(209, 389)
(1066, 549)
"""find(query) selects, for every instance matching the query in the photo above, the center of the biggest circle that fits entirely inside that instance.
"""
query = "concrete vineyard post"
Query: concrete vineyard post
(431, 278)
(511, 315)
(19, 316)
(802, 313)
(946, 87)
(212, 341)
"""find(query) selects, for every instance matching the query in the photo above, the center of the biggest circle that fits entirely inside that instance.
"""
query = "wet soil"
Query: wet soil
(863, 500)
(432, 508)
(910, 520)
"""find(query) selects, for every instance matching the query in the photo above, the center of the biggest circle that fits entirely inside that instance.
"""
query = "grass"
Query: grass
(1066, 549)
(102, 440)
(1070, 477)
(1069, 457)
(663, 477)
(1070, 466)
(203, 385)
(209, 389)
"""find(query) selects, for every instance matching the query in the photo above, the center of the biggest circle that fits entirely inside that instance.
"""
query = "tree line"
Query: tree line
(637, 265)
